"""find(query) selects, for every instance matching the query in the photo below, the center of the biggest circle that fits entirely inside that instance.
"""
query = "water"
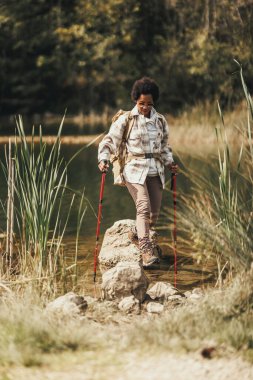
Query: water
(117, 204)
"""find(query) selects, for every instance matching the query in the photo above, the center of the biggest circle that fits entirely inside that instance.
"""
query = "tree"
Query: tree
(85, 55)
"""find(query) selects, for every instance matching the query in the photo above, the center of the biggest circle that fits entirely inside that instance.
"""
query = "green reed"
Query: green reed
(218, 218)
(40, 211)
(40, 186)
(233, 201)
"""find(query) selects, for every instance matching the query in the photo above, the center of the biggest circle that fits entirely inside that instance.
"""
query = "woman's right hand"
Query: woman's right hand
(103, 166)
(173, 167)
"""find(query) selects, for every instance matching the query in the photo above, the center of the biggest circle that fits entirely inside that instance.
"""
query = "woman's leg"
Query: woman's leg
(140, 196)
(155, 189)
(141, 199)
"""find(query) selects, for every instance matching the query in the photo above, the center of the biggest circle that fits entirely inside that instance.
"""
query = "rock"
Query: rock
(173, 301)
(196, 293)
(162, 291)
(208, 352)
(175, 297)
(195, 296)
(69, 304)
(125, 279)
(130, 305)
(117, 246)
(155, 307)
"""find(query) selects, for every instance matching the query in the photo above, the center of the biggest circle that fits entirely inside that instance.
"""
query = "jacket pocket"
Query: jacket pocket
(134, 140)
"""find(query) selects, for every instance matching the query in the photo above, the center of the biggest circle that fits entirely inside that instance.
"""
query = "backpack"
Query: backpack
(118, 160)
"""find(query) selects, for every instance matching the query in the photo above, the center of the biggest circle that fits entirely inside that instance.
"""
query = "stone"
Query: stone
(117, 246)
(69, 304)
(195, 296)
(173, 301)
(123, 280)
(130, 305)
(155, 307)
(161, 291)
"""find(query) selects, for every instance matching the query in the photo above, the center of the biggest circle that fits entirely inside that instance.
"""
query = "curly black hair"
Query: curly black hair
(145, 86)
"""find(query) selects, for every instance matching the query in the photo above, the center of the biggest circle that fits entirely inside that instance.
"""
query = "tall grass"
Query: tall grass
(40, 187)
(218, 217)
(42, 207)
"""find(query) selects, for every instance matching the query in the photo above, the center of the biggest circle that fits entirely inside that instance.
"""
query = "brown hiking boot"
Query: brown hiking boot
(157, 251)
(149, 258)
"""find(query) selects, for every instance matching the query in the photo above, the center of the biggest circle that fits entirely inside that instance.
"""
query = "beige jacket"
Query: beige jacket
(138, 143)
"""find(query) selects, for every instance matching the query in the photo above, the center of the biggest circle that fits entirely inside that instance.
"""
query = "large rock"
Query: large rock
(124, 280)
(117, 246)
(69, 304)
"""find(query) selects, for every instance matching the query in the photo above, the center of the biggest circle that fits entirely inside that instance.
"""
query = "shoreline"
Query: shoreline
(50, 139)
(184, 139)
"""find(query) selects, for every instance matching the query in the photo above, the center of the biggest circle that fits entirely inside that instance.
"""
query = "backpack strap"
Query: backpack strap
(126, 133)
(128, 128)
(159, 115)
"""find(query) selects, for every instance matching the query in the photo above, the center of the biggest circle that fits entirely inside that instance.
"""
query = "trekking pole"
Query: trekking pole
(174, 188)
(102, 186)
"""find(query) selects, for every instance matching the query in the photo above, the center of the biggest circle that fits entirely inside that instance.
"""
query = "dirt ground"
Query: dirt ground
(131, 366)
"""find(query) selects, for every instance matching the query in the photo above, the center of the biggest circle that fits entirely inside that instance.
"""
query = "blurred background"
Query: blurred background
(84, 55)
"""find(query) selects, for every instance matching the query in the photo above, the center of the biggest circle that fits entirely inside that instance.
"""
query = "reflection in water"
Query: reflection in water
(117, 204)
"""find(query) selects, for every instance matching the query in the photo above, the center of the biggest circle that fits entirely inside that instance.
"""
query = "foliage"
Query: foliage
(86, 54)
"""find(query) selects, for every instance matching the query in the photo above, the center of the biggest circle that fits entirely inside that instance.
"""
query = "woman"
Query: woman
(148, 154)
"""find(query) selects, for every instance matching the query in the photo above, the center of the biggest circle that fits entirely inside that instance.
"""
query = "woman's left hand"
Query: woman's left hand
(173, 167)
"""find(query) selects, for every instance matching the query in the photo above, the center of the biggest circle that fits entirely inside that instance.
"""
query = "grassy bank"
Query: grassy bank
(193, 131)
(222, 320)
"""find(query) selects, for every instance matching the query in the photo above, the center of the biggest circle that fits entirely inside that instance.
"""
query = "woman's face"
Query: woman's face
(144, 104)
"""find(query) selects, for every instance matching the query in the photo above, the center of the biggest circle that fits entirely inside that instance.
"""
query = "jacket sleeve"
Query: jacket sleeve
(111, 141)
(166, 151)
